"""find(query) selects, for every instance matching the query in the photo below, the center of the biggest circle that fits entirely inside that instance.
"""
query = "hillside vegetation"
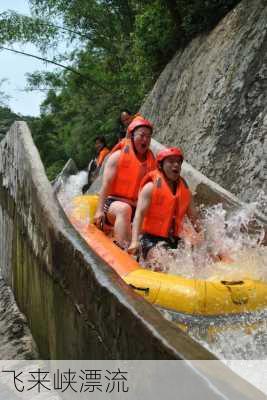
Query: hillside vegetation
(118, 48)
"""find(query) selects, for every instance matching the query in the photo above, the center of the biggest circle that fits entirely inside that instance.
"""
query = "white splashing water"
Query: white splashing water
(243, 338)
(227, 235)
(71, 188)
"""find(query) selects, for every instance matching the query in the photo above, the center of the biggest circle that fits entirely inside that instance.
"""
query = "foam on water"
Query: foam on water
(227, 235)
(71, 188)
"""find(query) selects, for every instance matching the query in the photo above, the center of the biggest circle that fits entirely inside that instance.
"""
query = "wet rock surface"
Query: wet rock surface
(16, 341)
(211, 99)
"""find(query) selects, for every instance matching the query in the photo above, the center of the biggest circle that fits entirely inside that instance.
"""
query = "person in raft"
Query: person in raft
(163, 202)
(101, 149)
(122, 176)
(95, 164)
(126, 119)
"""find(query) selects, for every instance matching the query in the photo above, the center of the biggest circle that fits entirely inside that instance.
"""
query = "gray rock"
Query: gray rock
(211, 100)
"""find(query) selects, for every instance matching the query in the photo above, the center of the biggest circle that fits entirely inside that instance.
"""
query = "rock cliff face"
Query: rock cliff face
(211, 99)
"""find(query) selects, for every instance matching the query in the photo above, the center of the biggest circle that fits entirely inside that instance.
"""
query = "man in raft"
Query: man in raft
(119, 145)
(101, 149)
(125, 119)
(122, 176)
(163, 202)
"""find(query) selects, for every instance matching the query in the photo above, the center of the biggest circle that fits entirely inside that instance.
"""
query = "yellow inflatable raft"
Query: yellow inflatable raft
(172, 292)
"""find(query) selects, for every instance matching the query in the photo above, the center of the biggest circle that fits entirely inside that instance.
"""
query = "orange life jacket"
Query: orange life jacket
(130, 172)
(166, 210)
(119, 145)
(101, 156)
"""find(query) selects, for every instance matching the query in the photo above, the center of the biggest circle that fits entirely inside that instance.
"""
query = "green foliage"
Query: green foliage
(7, 117)
(119, 48)
(54, 169)
(3, 96)
(200, 16)
(15, 27)
(154, 41)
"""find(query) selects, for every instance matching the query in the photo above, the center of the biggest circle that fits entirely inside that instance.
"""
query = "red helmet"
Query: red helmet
(137, 123)
(171, 151)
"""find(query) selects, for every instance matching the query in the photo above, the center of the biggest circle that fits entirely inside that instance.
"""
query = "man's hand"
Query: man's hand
(99, 219)
(133, 249)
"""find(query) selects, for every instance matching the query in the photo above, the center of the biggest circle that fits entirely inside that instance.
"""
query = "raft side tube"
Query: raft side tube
(199, 297)
(171, 292)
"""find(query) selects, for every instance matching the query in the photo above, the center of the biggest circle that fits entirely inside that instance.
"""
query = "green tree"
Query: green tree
(117, 50)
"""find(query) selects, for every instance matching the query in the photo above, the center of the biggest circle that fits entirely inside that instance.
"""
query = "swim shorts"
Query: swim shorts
(148, 241)
(111, 200)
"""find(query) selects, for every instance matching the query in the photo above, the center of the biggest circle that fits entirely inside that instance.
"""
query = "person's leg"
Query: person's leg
(119, 214)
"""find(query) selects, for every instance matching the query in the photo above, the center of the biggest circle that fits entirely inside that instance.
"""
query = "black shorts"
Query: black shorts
(148, 241)
(111, 200)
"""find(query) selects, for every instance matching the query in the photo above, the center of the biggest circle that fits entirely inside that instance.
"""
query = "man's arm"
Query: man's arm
(196, 235)
(143, 204)
(108, 177)
(194, 216)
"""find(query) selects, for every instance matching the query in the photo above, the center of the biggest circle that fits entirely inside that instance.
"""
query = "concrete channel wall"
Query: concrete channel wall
(78, 308)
